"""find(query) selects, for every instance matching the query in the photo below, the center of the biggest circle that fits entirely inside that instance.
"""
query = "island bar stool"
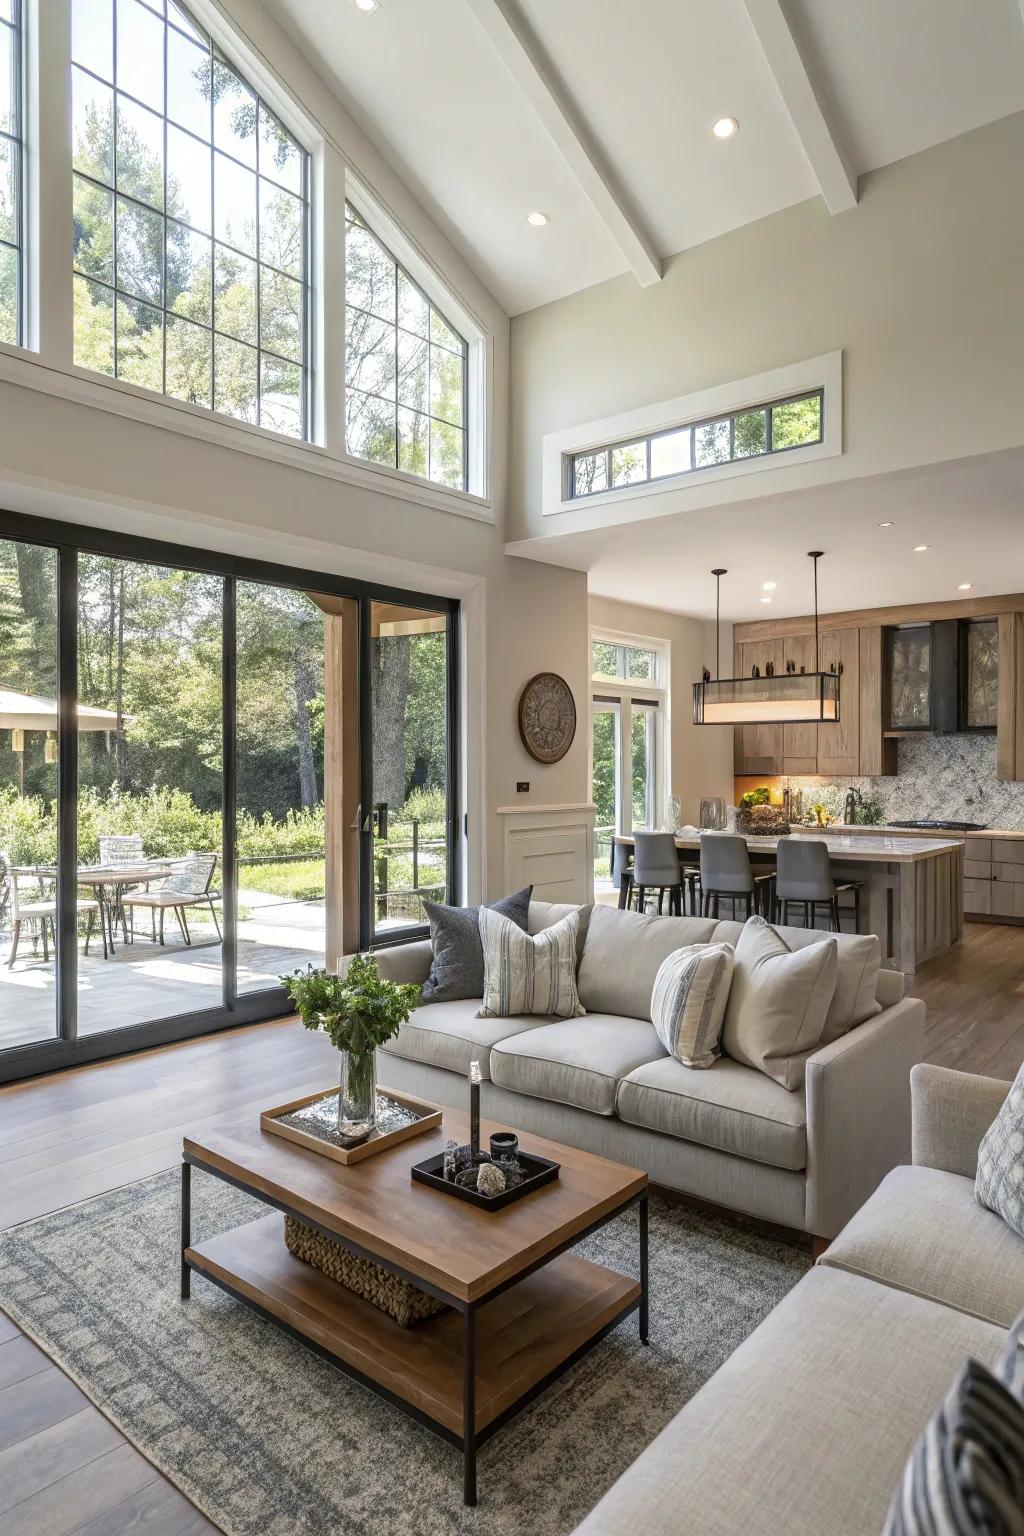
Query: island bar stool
(622, 870)
(656, 868)
(725, 871)
(804, 878)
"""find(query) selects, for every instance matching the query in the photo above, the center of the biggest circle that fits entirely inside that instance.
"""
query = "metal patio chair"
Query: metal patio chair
(189, 884)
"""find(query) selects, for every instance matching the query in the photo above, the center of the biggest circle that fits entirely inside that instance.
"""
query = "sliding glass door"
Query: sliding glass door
(212, 773)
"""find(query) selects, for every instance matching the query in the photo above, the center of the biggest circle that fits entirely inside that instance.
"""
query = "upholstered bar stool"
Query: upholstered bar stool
(804, 878)
(622, 871)
(725, 871)
(656, 868)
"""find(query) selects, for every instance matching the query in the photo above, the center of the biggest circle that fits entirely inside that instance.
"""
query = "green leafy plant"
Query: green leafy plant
(357, 1011)
(753, 797)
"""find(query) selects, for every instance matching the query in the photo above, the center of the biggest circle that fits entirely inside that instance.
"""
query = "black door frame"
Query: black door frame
(68, 539)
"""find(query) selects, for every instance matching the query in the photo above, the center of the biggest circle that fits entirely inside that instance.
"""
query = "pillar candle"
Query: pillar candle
(475, 1078)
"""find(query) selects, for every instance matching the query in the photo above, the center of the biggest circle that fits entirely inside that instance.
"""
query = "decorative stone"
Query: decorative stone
(490, 1180)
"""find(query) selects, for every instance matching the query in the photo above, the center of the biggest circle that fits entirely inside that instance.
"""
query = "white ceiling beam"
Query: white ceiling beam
(821, 141)
(523, 58)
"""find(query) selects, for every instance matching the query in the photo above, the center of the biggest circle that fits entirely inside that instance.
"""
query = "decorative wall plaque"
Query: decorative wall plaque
(547, 717)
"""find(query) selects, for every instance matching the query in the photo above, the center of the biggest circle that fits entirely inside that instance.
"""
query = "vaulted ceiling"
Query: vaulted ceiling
(598, 113)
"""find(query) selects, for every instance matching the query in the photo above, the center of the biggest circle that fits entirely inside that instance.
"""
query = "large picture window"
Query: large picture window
(191, 214)
(405, 368)
(11, 173)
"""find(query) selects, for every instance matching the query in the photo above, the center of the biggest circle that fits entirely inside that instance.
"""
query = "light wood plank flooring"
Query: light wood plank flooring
(64, 1470)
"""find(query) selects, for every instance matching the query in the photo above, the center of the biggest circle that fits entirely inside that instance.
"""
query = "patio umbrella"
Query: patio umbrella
(29, 712)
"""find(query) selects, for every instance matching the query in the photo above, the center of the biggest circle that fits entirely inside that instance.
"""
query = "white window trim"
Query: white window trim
(824, 372)
(622, 691)
(46, 363)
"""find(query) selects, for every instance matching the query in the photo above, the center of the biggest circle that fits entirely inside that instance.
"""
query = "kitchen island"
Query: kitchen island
(912, 895)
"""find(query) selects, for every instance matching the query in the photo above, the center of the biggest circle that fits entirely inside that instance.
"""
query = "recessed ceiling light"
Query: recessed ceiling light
(919, 549)
(766, 599)
(768, 586)
(366, 7)
(885, 525)
(724, 128)
(965, 586)
(537, 219)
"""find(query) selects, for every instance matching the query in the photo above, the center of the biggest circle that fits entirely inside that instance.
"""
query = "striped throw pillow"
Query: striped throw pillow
(529, 973)
(691, 990)
(999, 1183)
(965, 1476)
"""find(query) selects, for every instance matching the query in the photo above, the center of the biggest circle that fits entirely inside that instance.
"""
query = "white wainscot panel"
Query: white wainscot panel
(550, 847)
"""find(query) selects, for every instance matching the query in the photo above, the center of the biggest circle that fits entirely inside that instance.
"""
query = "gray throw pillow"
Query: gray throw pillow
(999, 1184)
(965, 1476)
(457, 969)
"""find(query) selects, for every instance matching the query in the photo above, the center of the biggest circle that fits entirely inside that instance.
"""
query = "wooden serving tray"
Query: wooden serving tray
(430, 1116)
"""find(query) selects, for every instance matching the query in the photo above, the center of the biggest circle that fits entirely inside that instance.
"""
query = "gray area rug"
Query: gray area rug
(269, 1440)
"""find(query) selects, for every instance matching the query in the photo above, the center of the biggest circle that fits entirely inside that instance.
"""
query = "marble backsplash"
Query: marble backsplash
(939, 778)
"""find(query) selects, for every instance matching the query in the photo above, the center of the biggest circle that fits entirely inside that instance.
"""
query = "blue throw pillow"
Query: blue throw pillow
(457, 969)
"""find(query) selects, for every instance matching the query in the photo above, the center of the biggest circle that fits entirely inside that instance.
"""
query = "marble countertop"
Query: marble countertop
(860, 830)
(862, 847)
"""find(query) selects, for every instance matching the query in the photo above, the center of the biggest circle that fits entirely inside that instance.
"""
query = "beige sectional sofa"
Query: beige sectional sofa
(805, 1159)
(806, 1428)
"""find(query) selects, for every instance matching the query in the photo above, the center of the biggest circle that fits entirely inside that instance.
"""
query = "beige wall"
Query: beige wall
(701, 757)
(919, 286)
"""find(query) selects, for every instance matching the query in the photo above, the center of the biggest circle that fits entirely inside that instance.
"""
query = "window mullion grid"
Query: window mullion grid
(395, 344)
(163, 250)
(116, 124)
(259, 280)
(213, 260)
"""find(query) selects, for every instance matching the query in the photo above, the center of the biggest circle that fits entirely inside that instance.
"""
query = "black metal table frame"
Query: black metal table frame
(471, 1438)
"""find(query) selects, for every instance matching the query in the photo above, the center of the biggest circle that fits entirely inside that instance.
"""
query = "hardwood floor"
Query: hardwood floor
(64, 1470)
(974, 998)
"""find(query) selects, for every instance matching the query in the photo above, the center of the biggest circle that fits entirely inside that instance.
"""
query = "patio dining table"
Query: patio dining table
(107, 882)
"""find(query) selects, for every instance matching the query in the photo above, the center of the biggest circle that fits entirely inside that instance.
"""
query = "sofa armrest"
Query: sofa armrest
(405, 962)
(858, 1112)
(951, 1112)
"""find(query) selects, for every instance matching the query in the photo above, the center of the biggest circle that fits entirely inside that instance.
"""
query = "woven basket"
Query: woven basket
(406, 1303)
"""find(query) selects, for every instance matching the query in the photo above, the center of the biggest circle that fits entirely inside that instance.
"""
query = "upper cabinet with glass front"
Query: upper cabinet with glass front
(191, 219)
(405, 368)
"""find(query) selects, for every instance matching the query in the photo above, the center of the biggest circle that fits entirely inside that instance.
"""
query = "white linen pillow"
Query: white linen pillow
(778, 1002)
(529, 973)
(688, 1002)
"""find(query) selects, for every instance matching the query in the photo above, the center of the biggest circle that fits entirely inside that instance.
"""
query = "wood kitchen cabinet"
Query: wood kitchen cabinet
(1010, 703)
(799, 742)
(994, 877)
(758, 748)
(838, 746)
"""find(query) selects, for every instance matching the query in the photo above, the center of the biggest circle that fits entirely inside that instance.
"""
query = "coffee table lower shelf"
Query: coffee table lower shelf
(521, 1340)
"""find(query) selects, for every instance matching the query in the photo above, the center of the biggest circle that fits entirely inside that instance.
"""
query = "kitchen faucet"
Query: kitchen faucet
(853, 799)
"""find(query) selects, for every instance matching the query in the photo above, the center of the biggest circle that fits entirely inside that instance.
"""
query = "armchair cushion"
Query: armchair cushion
(951, 1113)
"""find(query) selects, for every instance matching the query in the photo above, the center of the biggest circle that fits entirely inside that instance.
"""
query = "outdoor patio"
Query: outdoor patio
(145, 981)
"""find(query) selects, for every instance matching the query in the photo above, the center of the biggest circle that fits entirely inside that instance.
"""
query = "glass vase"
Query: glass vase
(357, 1093)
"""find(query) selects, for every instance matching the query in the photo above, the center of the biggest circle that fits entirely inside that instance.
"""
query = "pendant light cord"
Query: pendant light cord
(718, 572)
(816, 555)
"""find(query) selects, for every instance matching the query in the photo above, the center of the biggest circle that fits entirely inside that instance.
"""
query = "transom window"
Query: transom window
(405, 368)
(752, 433)
(191, 217)
(609, 659)
(11, 178)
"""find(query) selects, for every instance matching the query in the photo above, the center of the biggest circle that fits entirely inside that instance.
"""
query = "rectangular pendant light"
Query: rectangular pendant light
(795, 698)
(789, 698)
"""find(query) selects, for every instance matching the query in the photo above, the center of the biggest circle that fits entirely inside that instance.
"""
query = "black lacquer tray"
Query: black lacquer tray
(539, 1171)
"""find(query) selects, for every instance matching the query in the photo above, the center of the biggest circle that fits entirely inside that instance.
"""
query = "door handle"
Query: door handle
(357, 820)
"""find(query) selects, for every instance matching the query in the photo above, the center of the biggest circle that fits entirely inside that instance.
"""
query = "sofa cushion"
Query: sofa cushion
(804, 1431)
(450, 1035)
(575, 1061)
(458, 965)
(859, 956)
(529, 973)
(622, 953)
(691, 990)
(778, 1002)
(731, 1108)
(922, 1230)
(999, 1184)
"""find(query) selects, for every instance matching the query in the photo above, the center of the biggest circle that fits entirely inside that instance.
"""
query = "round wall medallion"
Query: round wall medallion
(547, 717)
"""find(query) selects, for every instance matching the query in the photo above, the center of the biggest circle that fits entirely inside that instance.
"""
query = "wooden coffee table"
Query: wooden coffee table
(522, 1308)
